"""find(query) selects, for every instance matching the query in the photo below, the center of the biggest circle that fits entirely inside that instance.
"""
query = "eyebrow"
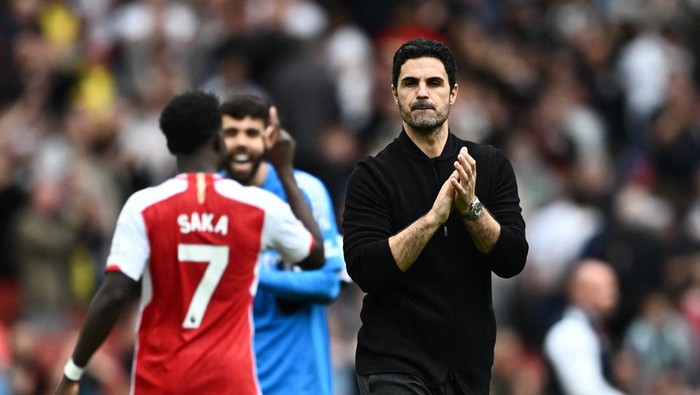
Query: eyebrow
(246, 130)
(409, 79)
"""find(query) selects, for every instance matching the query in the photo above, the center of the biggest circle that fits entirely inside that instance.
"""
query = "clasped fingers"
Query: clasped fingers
(466, 169)
(465, 166)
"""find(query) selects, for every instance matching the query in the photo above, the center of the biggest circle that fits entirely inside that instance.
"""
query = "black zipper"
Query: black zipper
(438, 185)
(436, 169)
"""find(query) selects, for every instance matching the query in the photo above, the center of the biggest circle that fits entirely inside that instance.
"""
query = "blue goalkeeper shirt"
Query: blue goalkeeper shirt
(292, 344)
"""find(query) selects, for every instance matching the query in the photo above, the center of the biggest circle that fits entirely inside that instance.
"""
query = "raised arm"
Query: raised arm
(409, 243)
(281, 155)
(484, 229)
(373, 254)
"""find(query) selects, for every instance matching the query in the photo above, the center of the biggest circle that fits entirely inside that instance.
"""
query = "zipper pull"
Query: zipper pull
(444, 228)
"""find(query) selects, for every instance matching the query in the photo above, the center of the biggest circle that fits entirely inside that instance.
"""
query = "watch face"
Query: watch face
(474, 211)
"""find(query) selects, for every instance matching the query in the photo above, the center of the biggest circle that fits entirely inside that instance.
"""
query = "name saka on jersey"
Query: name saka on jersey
(203, 222)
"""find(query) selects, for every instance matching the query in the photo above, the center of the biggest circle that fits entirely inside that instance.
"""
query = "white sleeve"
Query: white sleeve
(130, 247)
(285, 233)
(574, 353)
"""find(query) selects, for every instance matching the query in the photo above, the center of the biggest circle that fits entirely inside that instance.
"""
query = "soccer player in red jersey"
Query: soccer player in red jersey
(194, 242)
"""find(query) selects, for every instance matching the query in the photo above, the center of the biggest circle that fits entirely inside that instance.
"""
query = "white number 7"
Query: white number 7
(217, 258)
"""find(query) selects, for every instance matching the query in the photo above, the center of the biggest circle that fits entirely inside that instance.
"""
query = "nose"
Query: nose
(234, 141)
(422, 90)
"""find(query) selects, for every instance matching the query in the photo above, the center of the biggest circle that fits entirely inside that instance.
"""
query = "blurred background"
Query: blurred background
(595, 102)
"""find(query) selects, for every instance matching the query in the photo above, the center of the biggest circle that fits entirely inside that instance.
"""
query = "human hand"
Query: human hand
(67, 387)
(463, 180)
(281, 144)
(443, 202)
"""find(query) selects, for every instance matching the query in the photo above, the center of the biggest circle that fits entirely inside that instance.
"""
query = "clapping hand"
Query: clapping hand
(464, 180)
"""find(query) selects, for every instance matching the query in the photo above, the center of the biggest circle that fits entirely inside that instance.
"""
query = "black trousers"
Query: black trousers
(404, 384)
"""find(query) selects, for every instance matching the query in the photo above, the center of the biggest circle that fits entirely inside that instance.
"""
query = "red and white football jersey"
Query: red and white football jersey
(195, 241)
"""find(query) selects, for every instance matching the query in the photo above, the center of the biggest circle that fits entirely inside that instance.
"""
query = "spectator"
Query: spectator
(576, 346)
(661, 344)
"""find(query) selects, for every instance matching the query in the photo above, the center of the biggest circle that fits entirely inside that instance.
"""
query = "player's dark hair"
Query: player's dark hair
(189, 120)
(247, 105)
(420, 48)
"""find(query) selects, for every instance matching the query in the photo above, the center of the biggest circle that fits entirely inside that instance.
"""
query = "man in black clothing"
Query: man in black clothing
(422, 236)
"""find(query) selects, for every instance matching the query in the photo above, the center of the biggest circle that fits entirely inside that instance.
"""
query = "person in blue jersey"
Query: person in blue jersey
(292, 344)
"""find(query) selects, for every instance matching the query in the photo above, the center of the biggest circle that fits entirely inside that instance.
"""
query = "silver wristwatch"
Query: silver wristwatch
(475, 209)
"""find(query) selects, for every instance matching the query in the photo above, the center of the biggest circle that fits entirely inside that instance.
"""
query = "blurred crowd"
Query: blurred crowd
(594, 101)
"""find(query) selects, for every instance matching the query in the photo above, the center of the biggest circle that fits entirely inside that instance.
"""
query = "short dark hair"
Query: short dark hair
(189, 120)
(247, 105)
(421, 47)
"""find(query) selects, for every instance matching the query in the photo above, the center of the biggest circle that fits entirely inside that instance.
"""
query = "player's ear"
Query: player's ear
(218, 144)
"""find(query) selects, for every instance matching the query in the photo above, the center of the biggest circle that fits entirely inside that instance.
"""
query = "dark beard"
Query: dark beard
(245, 180)
(426, 128)
(423, 126)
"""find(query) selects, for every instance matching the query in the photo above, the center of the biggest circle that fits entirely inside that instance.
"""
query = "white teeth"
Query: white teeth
(241, 157)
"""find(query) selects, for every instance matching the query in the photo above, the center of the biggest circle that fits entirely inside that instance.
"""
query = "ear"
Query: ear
(395, 94)
(453, 94)
(218, 144)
